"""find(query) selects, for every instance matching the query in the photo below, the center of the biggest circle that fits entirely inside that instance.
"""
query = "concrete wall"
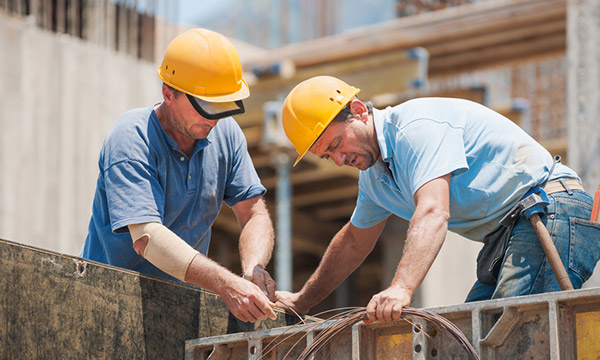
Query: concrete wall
(58, 98)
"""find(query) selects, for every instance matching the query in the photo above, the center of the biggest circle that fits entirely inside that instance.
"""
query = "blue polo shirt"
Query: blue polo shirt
(493, 163)
(144, 178)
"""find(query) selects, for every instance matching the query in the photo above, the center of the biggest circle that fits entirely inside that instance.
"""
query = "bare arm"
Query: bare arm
(171, 254)
(256, 242)
(346, 251)
(244, 299)
(426, 235)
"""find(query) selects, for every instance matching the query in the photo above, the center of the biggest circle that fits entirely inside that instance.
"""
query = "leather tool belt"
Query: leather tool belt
(490, 257)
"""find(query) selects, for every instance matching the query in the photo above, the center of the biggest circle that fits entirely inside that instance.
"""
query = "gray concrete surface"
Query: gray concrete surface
(59, 96)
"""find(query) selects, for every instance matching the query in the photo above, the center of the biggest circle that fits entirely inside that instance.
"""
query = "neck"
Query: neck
(374, 136)
(165, 117)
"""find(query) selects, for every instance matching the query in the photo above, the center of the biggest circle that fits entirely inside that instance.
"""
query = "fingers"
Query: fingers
(271, 286)
(396, 312)
(371, 309)
(292, 302)
(264, 281)
(383, 309)
(250, 304)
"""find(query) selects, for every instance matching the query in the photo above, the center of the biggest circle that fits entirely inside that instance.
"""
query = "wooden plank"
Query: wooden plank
(395, 71)
(316, 197)
(419, 30)
(485, 39)
(498, 54)
(55, 306)
(465, 37)
(320, 174)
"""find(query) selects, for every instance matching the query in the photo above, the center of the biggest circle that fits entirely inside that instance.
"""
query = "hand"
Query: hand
(263, 280)
(246, 301)
(387, 305)
(286, 300)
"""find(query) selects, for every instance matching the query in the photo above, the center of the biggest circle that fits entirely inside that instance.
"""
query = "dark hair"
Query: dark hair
(346, 114)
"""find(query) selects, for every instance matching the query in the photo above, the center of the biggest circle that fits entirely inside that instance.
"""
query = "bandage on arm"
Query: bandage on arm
(165, 249)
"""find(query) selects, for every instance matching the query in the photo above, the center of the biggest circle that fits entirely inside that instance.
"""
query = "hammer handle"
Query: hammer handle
(551, 253)
(596, 206)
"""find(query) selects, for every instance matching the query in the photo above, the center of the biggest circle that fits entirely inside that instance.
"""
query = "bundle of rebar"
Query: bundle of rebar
(347, 318)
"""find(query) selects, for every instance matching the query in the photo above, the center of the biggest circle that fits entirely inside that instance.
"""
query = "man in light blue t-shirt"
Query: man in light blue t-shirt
(166, 170)
(442, 164)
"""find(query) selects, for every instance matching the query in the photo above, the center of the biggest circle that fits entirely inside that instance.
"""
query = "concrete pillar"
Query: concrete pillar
(583, 95)
(583, 89)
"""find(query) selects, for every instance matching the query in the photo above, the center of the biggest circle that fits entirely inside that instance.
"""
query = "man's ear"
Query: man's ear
(359, 110)
(167, 93)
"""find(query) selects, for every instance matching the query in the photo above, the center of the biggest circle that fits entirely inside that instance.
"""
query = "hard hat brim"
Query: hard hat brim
(241, 94)
(216, 110)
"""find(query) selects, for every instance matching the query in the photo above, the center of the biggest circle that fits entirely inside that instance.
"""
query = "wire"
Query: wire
(350, 316)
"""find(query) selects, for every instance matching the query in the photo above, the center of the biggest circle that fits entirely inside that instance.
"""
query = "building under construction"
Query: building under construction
(72, 67)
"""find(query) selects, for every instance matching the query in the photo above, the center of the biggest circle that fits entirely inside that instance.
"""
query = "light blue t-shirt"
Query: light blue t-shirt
(493, 163)
(144, 178)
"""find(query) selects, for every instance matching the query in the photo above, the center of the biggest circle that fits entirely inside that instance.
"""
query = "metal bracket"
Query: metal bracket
(220, 352)
(502, 328)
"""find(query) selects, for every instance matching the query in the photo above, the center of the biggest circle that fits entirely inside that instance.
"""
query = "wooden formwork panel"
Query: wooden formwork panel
(54, 306)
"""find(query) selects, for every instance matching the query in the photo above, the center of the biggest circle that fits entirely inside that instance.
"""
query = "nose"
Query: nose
(338, 158)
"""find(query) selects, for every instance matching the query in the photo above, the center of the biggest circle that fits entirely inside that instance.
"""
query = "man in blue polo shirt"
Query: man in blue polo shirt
(442, 164)
(165, 171)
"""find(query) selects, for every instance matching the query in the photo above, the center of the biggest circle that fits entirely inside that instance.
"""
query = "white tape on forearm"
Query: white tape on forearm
(165, 249)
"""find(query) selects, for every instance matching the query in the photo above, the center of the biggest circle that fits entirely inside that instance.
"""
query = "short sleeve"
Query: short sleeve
(243, 181)
(133, 193)
(367, 213)
(430, 149)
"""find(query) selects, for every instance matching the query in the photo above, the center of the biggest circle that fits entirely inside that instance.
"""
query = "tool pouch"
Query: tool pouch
(490, 257)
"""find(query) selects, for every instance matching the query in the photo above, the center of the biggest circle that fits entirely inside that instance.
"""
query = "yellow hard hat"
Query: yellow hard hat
(205, 65)
(309, 108)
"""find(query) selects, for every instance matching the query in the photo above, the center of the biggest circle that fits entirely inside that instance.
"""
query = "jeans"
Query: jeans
(525, 269)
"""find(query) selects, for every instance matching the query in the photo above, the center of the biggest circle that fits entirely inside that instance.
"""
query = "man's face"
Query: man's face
(351, 143)
(187, 121)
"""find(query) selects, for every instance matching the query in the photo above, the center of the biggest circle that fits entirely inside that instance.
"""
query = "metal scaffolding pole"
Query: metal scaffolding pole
(277, 144)
(283, 199)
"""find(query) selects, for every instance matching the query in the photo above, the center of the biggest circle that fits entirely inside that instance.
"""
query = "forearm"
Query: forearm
(426, 234)
(220, 278)
(343, 255)
(167, 251)
(256, 241)
(243, 298)
(171, 254)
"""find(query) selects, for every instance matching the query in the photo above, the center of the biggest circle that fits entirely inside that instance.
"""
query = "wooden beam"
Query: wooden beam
(395, 71)
(418, 30)
(459, 38)
(490, 39)
(494, 55)
(325, 195)
(319, 174)
(330, 213)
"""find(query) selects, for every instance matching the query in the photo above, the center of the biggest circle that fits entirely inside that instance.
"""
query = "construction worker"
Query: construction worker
(165, 171)
(442, 164)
